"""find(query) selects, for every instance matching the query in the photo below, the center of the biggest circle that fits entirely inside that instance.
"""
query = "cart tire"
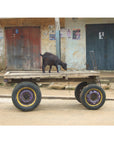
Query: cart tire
(78, 90)
(92, 97)
(26, 96)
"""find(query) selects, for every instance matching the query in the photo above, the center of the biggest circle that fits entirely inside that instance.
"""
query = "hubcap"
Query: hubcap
(26, 96)
(93, 97)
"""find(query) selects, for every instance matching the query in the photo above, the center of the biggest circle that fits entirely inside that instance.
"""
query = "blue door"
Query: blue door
(100, 43)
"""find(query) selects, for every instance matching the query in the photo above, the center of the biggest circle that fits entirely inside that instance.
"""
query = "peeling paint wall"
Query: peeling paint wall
(75, 50)
(48, 45)
(2, 50)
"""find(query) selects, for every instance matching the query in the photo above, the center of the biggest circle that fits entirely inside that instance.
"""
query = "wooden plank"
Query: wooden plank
(53, 75)
(9, 22)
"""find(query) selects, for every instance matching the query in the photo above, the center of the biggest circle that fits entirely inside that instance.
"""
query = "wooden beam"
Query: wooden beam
(10, 22)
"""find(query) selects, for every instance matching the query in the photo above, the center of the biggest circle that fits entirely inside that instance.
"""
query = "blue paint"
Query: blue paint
(16, 31)
(52, 37)
(58, 45)
(100, 39)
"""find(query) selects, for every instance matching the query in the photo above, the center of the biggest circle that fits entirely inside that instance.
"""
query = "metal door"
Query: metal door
(100, 39)
(23, 48)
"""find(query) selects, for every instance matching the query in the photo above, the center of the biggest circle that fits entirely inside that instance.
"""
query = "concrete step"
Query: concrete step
(71, 86)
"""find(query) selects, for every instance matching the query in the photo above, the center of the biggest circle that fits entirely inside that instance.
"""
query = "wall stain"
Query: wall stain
(75, 53)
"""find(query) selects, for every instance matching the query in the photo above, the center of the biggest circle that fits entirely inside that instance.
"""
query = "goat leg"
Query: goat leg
(57, 68)
(43, 69)
(50, 69)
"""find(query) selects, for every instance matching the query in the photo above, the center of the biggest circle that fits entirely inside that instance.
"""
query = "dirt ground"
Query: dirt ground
(55, 111)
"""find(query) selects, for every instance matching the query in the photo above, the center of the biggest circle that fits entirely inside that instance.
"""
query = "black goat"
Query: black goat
(51, 59)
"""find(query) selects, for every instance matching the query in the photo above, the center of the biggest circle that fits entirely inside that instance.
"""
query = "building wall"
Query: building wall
(2, 50)
(73, 51)
(76, 49)
(48, 45)
(47, 27)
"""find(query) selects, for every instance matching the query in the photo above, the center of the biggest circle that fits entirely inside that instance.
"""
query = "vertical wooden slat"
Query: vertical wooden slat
(23, 46)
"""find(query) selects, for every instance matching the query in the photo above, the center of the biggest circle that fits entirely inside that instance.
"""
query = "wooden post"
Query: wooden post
(58, 38)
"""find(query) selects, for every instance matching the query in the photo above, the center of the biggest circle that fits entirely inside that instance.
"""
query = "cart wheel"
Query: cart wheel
(26, 96)
(92, 97)
(78, 90)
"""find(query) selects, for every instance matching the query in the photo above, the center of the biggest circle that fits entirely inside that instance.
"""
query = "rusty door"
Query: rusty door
(23, 48)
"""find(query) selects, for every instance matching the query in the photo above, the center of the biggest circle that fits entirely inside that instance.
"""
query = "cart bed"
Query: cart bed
(39, 76)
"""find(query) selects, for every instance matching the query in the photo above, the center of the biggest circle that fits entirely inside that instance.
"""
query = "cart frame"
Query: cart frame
(27, 95)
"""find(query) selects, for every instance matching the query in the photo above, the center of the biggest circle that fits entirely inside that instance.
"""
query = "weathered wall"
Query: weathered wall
(76, 49)
(73, 51)
(2, 50)
(47, 27)
(48, 45)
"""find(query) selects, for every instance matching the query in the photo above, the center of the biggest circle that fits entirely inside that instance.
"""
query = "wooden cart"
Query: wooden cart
(27, 95)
